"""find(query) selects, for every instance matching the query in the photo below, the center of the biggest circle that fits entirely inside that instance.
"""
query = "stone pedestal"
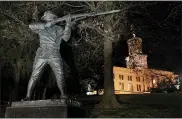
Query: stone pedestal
(38, 109)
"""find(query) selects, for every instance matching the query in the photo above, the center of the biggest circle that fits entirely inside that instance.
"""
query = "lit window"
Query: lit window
(129, 78)
(121, 77)
(122, 86)
(138, 79)
(130, 87)
(138, 87)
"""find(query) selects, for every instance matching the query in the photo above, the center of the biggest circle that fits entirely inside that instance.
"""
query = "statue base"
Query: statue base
(38, 109)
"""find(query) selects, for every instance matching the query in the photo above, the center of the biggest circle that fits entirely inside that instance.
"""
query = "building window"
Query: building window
(122, 86)
(138, 87)
(154, 81)
(113, 76)
(121, 77)
(129, 78)
(138, 79)
(130, 87)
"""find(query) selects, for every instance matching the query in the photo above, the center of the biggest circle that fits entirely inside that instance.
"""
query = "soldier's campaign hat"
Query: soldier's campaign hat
(48, 15)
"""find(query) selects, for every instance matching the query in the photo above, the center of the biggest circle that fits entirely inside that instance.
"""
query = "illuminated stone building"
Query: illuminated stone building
(137, 77)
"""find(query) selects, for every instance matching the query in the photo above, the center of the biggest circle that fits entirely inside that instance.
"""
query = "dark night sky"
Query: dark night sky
(161, 39)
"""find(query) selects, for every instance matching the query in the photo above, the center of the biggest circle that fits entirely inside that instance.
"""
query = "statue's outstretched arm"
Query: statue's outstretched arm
(37, 26)
(67, 33)
(67, 30)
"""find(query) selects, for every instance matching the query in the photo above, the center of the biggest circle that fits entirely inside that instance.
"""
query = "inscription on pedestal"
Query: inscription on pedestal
(38, 109)
(41, 103)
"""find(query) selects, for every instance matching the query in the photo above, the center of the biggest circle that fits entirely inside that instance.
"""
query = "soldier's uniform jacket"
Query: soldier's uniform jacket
(49, 42)
(50, 39)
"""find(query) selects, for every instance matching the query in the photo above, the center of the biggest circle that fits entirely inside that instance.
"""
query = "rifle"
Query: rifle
(83, 16)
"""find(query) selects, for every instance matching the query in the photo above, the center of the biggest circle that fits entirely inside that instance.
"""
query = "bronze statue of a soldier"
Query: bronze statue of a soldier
(50, 36)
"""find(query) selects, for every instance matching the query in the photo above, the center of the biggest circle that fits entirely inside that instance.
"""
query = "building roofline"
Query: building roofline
(127, 69)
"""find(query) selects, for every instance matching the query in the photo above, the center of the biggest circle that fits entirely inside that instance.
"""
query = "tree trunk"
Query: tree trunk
(0, 72)
(109, 99)
(1, 66)
(16, 81)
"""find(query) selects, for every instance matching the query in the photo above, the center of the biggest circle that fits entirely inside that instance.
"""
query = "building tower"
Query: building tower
(136, 59)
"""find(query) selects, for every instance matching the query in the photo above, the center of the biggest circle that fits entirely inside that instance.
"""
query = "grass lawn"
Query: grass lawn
(138, 106)
(135, 106)
(137, 111)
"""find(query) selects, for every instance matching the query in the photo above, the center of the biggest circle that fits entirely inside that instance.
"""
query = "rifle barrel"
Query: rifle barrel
(85, 15)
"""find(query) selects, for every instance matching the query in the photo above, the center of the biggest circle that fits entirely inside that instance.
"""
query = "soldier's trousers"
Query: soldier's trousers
(38, 65)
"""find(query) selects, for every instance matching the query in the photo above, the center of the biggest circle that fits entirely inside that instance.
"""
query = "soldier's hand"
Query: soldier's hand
(68, 20)
(48, 24)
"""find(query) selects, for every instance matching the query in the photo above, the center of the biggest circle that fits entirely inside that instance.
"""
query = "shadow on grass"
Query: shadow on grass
(76, 112)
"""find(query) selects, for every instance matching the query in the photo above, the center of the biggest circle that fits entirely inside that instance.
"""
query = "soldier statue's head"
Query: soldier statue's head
(48, 16)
